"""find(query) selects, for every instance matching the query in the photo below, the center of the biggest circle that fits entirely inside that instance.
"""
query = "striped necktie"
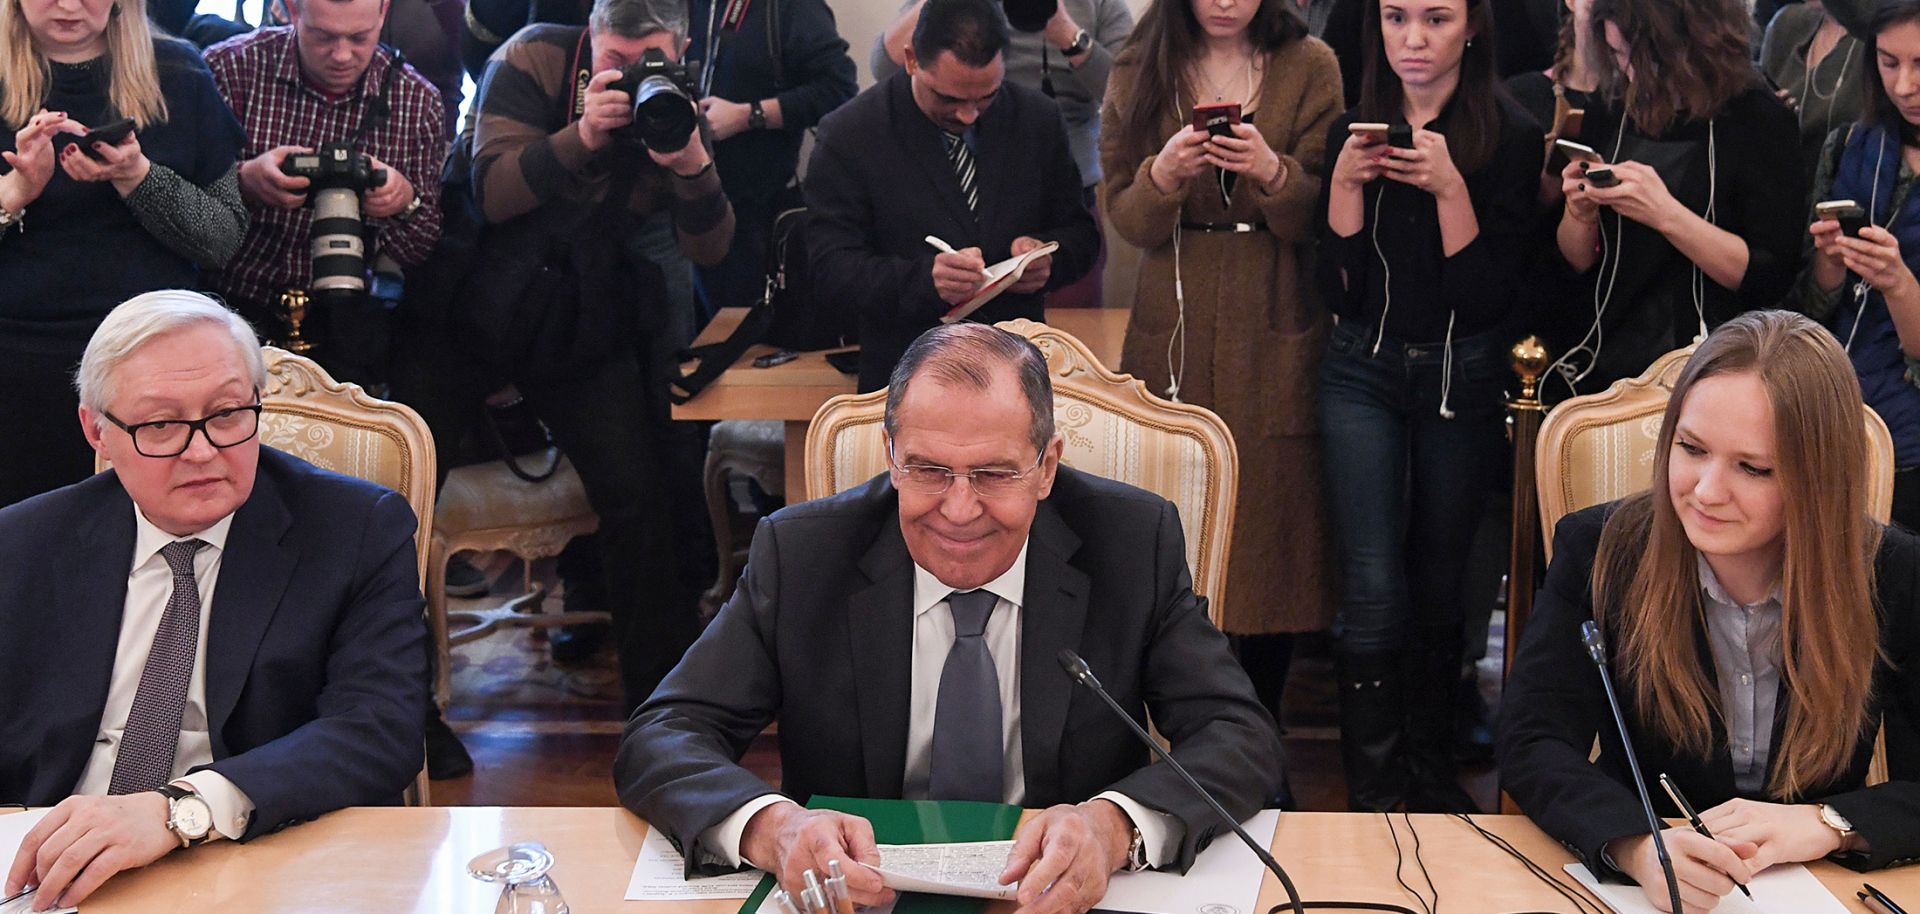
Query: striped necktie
(962, 160)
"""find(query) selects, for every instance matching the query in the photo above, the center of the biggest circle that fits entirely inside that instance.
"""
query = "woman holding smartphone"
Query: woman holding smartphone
(1420, 261)
(1223, 317)
(1760, 627)
(1863, 287)
(1700, 217)
(87, 225)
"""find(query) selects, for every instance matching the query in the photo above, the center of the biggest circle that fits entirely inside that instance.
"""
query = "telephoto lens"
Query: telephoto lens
(339, 175)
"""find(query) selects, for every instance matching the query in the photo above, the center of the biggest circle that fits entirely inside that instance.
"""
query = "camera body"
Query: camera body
(664, 113)
(339, 175)
(1029, 15)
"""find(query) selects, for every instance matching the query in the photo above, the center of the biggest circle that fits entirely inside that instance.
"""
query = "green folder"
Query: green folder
(918, 822)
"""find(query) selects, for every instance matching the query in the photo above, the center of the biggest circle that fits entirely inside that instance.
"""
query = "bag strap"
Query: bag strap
(716, 358)
(512, 460)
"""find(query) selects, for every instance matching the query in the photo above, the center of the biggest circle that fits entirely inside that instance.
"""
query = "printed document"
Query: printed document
(659, 875)
(1784, 889)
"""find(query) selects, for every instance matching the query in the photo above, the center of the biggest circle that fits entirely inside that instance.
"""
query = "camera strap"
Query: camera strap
(379, 108)
(582, 70)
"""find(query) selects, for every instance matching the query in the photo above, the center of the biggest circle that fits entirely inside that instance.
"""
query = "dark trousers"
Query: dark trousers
(41, 409)
(601, 417)
(741, 279)
(1405, 486)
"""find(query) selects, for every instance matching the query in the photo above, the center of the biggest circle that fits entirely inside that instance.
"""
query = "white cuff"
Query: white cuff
(1160, 834)
(231, 807)
(721, 843)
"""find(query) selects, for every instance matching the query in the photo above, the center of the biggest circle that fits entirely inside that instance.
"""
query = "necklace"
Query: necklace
(1220, 91)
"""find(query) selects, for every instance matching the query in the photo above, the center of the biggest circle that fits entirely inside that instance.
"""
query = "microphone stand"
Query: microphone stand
(1597, 652)
(1083, 674)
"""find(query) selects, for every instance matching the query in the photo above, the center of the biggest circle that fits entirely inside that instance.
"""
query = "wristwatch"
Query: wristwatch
(413, 206)
(756, 116)
(1833, 819)
(1082, 43)
(9, 220)
(188, 815)
(1136, 853)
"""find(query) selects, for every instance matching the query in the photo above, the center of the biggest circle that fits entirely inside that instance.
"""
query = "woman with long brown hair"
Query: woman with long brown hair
(1223, 315)
(1761, 627)
(1700, 218)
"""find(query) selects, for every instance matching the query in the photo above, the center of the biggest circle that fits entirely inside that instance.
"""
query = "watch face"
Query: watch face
(190, 817)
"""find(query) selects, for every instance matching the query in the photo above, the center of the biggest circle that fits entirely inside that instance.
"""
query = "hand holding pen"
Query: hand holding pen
(1693, 818)
(957, 274)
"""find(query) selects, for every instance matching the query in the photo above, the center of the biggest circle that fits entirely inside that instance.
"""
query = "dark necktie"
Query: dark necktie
(153, 725)
(962, 159)
(967, 757)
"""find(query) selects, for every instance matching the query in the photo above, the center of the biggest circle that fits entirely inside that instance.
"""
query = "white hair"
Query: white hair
(144, 317)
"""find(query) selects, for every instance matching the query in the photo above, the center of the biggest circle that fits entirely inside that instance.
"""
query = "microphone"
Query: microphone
(1083, 674)
(1597, 652)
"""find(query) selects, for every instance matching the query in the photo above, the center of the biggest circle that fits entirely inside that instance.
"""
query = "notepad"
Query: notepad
(1000, 277)
(1788, 888)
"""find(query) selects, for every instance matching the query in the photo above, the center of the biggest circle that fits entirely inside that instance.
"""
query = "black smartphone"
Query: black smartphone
(112, 135)
(771, 359)
(1602, 176)
(1400, 135)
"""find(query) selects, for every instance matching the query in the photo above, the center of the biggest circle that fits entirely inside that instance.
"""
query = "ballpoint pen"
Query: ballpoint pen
(1686, 808)
(1880, 898)
(940, 246)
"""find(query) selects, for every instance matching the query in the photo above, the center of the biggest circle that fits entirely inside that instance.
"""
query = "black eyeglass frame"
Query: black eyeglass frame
(193, 425)
(973, 481)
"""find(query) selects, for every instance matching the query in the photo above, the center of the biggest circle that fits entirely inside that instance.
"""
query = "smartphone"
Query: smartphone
(1851, 216)
(1400, 135)
(1580, 152)
(1216, 120)
(112, 135)
(771, 359)
(1571, 124)
(1373, 132)
(1602, 176)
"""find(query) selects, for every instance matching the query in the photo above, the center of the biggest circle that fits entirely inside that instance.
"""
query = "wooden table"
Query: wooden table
(794, 391)
(395, 860)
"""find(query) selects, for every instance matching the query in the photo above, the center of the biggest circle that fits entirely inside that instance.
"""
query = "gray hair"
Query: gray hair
(148, 316)
(638, 18)
(967, 354)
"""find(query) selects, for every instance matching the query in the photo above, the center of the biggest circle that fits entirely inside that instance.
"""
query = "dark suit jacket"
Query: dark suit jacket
(316, 668)
(820, 635)
(1554, 707)
(879, 183)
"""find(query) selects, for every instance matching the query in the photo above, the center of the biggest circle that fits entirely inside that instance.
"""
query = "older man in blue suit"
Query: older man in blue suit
(212, 640)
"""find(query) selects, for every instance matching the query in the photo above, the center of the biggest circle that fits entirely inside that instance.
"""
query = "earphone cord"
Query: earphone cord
(1179, 336)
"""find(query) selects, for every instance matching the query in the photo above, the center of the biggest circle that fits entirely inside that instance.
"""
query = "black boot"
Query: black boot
(1433, 676)
(1371, 719)
(446, 758)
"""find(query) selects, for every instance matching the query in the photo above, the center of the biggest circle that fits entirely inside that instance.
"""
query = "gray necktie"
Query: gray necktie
(962, 159)
(153, 725)
(967, 755)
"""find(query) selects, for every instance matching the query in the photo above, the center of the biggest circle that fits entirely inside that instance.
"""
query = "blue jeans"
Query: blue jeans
(1405, 486)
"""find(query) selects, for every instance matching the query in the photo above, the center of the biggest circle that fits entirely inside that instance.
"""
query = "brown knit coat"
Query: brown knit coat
(1255, 330)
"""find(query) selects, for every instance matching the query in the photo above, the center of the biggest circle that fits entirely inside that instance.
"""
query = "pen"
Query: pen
(1673, 793)
(941, 246)
(1881, 899)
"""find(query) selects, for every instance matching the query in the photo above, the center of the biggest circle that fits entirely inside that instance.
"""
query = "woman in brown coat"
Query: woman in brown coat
(1224, 316)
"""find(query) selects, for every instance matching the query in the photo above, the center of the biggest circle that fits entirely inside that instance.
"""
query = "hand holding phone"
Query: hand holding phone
(1602, 176)
(1851, 216)
(112, 134)
(1371, 131)
(1216, 120)
(1579, 152)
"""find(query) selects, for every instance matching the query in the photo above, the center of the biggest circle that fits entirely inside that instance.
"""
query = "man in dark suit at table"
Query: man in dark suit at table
(210, 640)
(944, 148)
(905, 632)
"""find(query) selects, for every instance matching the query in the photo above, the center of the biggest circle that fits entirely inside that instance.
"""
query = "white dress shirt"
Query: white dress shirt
(932, 640)
(149, 587)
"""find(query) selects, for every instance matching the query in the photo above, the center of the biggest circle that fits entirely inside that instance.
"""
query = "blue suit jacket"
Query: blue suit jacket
(316, 667)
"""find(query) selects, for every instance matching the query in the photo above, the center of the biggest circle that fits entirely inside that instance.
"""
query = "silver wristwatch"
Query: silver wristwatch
(188, 815)
(9, 220)
(1136, 853)
(1082, 43)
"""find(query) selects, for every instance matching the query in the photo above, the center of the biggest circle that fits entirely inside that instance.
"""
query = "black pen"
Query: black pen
(1880, 898)
(1673, 792)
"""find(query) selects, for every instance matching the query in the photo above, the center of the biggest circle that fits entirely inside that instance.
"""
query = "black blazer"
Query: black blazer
(879, 183)
(316, 670)
(820, 635)
(1554, 707)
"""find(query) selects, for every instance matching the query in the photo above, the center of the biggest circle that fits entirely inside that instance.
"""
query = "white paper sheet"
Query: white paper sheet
(659, 875)
(1224, 878)
(1785, 889)
(13, 828)
(970, 868)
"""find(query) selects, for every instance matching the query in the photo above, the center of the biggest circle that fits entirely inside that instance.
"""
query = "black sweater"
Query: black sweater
(1554, 708)
(1478, 285)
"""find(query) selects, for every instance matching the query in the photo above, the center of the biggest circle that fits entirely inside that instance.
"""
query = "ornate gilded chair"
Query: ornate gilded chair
(1111, 426)
(1599, 447)
(342, 428)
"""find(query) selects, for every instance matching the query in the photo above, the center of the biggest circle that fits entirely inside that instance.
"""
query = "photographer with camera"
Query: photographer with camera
(580, 135)
(344, 143)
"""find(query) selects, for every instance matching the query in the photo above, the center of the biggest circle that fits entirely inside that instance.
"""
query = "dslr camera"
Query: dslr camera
(1029, 15)
(664, 114)
(339, 175)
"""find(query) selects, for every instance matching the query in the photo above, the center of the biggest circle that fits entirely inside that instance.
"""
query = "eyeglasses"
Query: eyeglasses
(927, 479)
(171, 437)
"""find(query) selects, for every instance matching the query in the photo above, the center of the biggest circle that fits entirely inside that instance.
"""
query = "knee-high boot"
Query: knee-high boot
(1372, 715)
(1432, 677)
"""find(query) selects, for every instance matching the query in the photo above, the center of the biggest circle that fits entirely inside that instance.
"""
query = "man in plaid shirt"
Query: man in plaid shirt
(325, 79)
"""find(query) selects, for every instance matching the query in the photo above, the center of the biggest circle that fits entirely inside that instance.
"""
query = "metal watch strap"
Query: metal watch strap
(1137, 852)
(9, 220)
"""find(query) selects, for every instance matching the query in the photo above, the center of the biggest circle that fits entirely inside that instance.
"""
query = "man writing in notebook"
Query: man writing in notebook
(904, 633)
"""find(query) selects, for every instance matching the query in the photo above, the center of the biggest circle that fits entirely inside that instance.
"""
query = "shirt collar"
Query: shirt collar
(1718, 594)
(148, 539)
(1010, 586)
